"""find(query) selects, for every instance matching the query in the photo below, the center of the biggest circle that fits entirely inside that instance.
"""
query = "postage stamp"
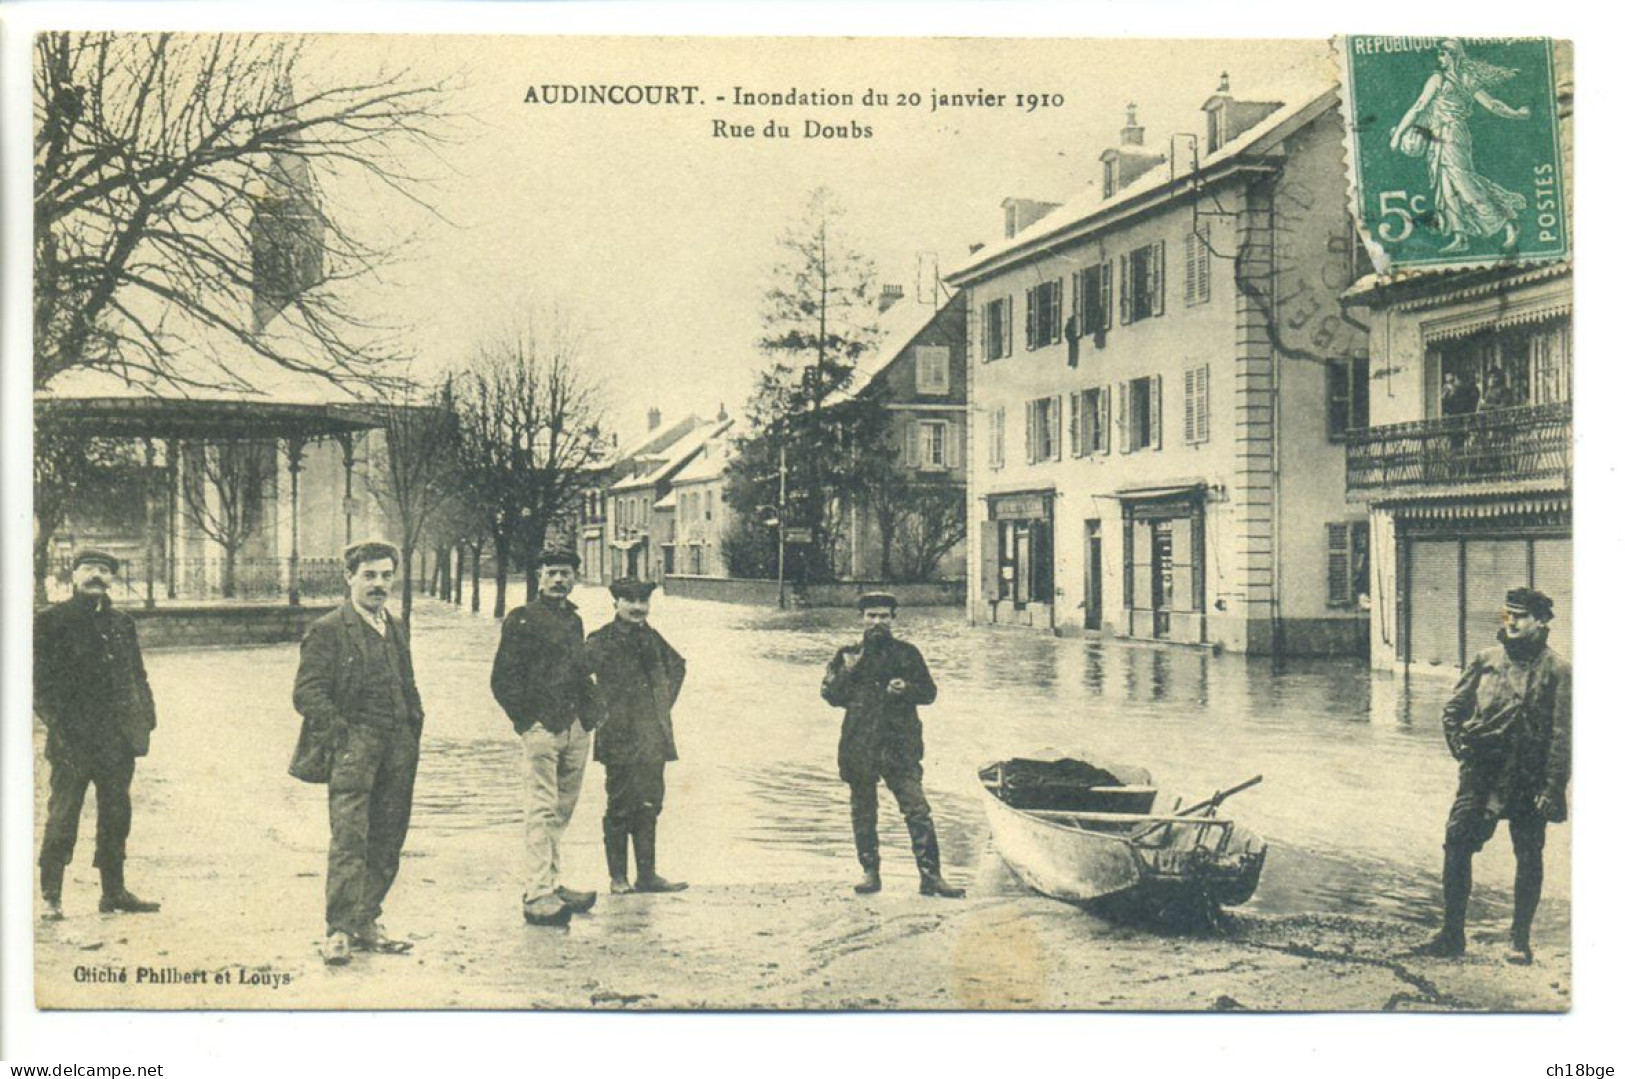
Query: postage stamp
(1455, 158)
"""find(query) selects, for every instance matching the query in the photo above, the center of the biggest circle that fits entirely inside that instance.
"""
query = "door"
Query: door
(1163, 592)
(1433, 595)
(1093, 567)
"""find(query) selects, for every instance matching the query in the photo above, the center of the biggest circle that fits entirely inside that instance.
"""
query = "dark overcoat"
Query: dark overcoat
(90, 684)
(881, 733)
(328, 687)
(540, 674)
(637, 676)
(1509, 724)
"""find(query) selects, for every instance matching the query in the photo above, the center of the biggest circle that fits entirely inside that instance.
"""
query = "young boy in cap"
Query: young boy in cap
(91, 692)
(638, 676)
(880, 682)
(541, 680)
(1508, 723)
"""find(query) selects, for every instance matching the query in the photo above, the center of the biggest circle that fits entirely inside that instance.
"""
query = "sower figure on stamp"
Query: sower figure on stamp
(638, 677)
(91, 692)
(359, 699)
(540, 678)
(1508, 723)
(881, 682)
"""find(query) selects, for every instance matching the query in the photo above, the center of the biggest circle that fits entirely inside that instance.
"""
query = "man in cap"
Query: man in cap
(638, 676)
(358, 696)
(1508, 723)
(91, 692)
(881, 681)
(540, 678)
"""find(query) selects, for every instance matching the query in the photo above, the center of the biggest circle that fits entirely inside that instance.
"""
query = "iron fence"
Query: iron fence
(1533, 443)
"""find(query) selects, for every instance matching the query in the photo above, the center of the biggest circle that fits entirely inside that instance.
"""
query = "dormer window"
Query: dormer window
(1010, 220)
(1215, 127)
(1108, 182)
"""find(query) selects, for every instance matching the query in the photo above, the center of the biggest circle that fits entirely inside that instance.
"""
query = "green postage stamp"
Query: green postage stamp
(1455, 159)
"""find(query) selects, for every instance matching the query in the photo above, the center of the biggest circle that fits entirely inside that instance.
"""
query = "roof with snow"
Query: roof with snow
(900, 324)
(678, 455)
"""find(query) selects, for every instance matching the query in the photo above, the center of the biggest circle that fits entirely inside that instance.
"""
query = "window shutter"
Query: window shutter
(1337, 565)
(1204, 266)
(1191, 246)
(1074, 427)
(1032, 318)
(1158, 276)
(1190, 405)
(1337, 398)
(1106, 293)
(1123, 444)
(1008, 322)
(973, 332)
(1055, 415)
(1153, 437)
(1202, 410)
(990, 560)
(1126, 288)
(911, 444)
(1103, 400)
(1032, 442)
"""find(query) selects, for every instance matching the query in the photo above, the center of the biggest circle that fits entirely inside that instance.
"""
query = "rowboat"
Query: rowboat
(1087, 833)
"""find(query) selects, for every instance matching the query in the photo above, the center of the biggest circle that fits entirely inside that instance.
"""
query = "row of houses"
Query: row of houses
(1199, 417)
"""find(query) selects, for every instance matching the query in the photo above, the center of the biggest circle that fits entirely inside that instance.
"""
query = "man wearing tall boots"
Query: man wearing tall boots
(541, 680)
(638, 676)
(357, 693)
(881, 682)
(91, 692)
(1508, 724)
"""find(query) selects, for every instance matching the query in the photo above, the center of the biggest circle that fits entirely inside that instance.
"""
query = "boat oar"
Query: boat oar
(1191, 810)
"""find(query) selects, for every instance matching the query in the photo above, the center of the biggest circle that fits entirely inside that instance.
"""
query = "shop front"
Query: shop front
(1018, 559)
(1164, 545)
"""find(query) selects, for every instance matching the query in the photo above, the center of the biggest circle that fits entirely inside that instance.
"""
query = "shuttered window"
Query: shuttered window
(997, 328)
(931, 369)
(1044, 429)
(1198, 266)
(1141, 273)
(1196, 405)
(995, 438)
(1139, 417)
(1090, 410)
(1348, 550)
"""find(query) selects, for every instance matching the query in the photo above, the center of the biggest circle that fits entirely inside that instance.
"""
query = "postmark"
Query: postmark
(1454, 154)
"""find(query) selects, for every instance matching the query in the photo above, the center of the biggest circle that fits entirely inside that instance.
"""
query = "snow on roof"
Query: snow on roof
(676, 456)
(663, 435)
(709, 464)
(899, 326)
(1301, 106)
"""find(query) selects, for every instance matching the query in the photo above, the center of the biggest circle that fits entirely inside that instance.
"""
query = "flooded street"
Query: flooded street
(1357, 783)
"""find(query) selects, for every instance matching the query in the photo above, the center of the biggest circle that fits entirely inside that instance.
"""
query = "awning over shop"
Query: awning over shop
(1453, 509)
(1175, 489)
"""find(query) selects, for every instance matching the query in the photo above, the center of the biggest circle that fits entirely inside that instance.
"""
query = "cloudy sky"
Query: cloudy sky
(657, 235)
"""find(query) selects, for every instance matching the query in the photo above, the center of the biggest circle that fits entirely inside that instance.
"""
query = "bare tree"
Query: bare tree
(73, 472)
(178, 199)
(419, 474)
(532, 422)
(224, 492)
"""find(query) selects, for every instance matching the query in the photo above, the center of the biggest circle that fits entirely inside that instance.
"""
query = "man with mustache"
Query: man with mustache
(637, 677)
(880, 682)
(359, 698)
(541, 680)
(91, 692)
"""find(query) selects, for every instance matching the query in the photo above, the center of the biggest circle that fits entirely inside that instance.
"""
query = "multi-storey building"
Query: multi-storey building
(917, 374)
(1161, 378)
(639, 527)
(700, 517)
(593, 538)
(1466, 468)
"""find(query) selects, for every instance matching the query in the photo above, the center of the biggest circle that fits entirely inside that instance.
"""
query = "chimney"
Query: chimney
(1020, 213)
(654, 418)
(889, 296)
(1129, 160)
(722, 413)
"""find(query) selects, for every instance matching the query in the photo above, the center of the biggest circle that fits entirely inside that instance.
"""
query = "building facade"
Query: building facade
(700, 516)
(593, 536)
(640, 521)
(917, 374)
(1161, 379)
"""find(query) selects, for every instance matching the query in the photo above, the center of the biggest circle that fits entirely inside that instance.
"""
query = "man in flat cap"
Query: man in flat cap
(638, 676)
(1508, 723)
(91, 692)
(358, 697)
(881, 681)
(540, 679)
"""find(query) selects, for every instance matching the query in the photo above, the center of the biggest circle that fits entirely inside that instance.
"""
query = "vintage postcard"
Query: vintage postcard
(755, 523)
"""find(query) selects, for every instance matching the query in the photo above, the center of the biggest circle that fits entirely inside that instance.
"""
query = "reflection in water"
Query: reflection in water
(1357, 779)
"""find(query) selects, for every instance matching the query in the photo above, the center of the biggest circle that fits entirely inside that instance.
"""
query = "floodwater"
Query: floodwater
(1357, 780)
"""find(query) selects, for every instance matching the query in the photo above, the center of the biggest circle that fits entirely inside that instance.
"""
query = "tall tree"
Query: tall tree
(420, 469)
(72, 474)
(818, 319)
(223, 489)
(532, 421)
(178, 198)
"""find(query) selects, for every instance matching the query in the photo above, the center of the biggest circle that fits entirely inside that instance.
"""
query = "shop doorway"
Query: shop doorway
(1093, 568)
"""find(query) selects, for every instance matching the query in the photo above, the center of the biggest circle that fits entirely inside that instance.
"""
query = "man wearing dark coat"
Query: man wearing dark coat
(880, 682)
(540, 678)
(91, 692)
(1508, 724)
(638, 676)
(359, 699)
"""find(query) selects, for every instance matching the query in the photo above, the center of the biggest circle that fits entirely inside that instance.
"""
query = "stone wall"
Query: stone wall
(222, 626)
(763, 593)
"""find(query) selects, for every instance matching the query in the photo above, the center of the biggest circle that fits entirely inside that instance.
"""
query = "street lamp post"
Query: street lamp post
(783, 473)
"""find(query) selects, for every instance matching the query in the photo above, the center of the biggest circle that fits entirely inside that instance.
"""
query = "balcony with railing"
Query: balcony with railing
(1504, 447)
